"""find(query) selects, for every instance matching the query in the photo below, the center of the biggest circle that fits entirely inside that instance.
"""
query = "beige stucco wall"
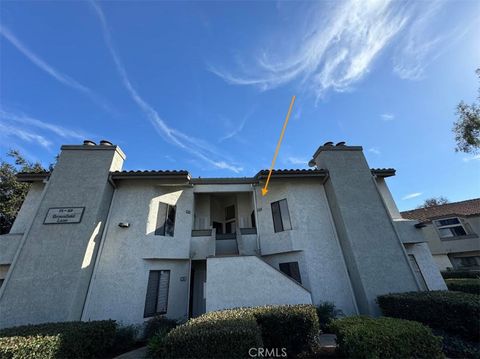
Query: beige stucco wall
(313, 232)
(247, 282)
(128, 254)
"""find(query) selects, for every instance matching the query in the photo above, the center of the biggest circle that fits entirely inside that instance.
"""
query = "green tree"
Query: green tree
(12, 192)
(467, 126)
(434, 201)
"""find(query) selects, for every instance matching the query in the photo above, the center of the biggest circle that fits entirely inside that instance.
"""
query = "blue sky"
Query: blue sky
(205, 86)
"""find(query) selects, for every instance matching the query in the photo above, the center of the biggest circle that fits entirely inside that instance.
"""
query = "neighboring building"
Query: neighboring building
(93, 242)
(452, 231)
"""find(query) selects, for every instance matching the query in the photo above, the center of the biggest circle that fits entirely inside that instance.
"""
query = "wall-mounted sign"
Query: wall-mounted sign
(64, 215)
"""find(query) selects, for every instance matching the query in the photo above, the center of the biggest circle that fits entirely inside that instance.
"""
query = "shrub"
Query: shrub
(223, 334)
(454, 312)
(460, 274)
(125, 339)
(156, 324)
(75, 339)
(457, 347)
(326, 312)
(156, 344)
(33, 347)
(466, 285)
(293, 327)
(365, 337)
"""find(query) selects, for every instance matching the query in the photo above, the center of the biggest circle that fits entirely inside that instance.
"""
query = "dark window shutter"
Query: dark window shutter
(277, 218)
(170, 221)
(252, 217)
(161, 216)
(285, 215)
(152, 291)
(164, 283)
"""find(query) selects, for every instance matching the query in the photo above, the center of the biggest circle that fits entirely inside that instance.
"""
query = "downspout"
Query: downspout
(259, 249)
(100, 249)
(22, 243)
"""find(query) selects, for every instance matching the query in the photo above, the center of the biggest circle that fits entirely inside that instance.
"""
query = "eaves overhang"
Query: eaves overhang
(29, 177)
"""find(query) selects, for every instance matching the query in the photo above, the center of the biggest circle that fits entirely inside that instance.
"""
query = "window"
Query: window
(469, 261)
(291, 269)
(165, 220)
(1, 282)
(450, 227)
(418, 272)
(156, 300)
(281, 217)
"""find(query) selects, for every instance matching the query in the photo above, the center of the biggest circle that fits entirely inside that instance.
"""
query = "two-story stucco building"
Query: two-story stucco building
(93, 242)
(452, 231)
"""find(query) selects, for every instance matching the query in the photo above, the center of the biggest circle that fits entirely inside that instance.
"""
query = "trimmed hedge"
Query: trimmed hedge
(158, 324)
(364, 337)
(231, 333)
(224, 334)
(466, 285)
(454, 312)
(33, 347)
(460, 274)
(293, 327)
(62, 340)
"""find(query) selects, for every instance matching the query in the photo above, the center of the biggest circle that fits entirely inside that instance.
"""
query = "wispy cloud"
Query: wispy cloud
(197, 147)
(423, 43)
(24, 119)
(412, 195)
(56, 74)
(297, 160)
(335, 52)
(237, 129)
(374, 150)
(387, 116)
(7, 130)
(415, 50)
(473, 158)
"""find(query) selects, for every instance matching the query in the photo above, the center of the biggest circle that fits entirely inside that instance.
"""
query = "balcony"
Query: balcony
(224, 224)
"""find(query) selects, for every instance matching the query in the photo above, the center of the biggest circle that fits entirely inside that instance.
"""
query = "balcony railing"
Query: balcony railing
(201, 232)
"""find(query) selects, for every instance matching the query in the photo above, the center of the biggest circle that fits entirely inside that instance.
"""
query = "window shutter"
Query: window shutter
(161, 216)
(277, 218)
(295, 272)
(285, 215)
(151, 297)
(418, 272)
(162, 301)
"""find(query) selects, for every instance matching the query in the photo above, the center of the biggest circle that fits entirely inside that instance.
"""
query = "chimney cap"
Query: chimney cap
(89, 143)
(329, 143)
(105, 143)
(342, 143)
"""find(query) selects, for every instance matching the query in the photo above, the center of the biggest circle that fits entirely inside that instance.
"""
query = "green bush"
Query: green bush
(365, 337)
(466, 285)
(460, 274)
(223, 334)
(75, 339)
(293, 327)
(156, 324)
(457, 347)
(156, 344)
(326, 312)
(125, 339)
(454, 312)
(33, 347)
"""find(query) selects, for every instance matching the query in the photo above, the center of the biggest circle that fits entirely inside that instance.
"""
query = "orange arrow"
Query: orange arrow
(264, 189)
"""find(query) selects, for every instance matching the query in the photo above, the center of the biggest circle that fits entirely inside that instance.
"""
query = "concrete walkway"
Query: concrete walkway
(139, 353)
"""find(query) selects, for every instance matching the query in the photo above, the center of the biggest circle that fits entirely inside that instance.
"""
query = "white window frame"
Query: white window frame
(439, 227)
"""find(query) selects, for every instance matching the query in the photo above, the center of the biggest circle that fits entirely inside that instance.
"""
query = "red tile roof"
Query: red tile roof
(464, 208)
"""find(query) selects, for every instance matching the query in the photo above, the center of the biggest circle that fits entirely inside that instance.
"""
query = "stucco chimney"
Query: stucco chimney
(375, 258)
(51, 273)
